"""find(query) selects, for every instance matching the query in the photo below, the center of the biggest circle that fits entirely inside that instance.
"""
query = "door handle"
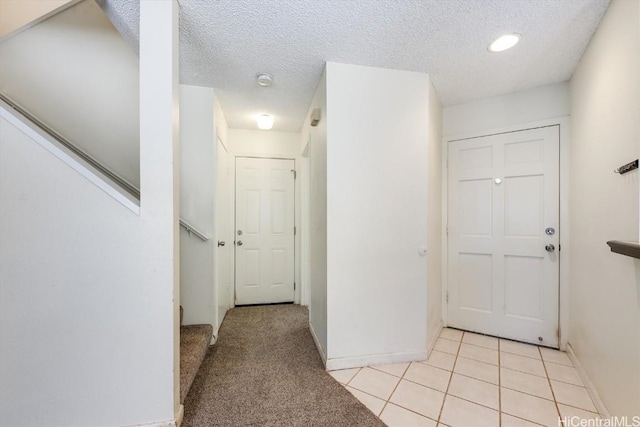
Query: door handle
(239, 243)
(220, 243)
(550, 248)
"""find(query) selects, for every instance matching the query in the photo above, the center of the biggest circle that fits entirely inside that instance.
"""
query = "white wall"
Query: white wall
(244, 142)
(82, 322)
(16, 14)
(263, 143)
(76, 74)
(201, 123)
(197, 192)
(316, 137)
(434, 218)
(605, 287)
(219, 121)
(541, 103)
(377, 134)
(88, 304)
(160, 178)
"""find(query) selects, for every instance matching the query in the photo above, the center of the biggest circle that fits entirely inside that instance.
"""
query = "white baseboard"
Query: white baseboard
(375, 359)
(591, 388)
(323, 356)
(435, 337)
(171, 423)
(180, 416)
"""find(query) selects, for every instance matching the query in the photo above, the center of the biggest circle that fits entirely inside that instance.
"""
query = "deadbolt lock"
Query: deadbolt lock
(239, 232)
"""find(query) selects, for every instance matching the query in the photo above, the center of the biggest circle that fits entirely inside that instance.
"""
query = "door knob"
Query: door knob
(220, 243)
(550, 248)
(239, 243)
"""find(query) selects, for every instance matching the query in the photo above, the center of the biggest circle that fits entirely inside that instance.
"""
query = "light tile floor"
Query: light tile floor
(473, 380)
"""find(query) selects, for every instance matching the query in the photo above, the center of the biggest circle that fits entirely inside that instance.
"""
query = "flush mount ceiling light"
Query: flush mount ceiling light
(264, 79)
(264, 121)
(504, 42)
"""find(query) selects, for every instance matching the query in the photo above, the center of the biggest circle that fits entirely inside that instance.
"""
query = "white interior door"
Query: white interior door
(264, 231)
(224, 232)
(503, 273)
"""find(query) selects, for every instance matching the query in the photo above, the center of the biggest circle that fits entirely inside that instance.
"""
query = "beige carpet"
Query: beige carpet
(265, 371)
(194, 341)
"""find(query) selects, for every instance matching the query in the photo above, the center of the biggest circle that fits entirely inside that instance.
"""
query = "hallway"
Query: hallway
(474, 380)
(123, 125)
(265, 371)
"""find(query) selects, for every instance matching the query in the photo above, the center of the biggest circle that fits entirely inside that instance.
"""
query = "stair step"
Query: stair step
(194, 342)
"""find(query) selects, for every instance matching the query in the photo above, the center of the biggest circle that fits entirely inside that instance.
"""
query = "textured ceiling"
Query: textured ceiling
(224, 44)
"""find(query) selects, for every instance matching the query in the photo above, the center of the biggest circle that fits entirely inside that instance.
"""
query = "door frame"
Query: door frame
(226, 238)
(564, 129)
(296, 218)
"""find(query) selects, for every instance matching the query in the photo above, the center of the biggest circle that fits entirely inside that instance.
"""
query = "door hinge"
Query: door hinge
(295, 174)
(447, 231)
(295, 230)
(447, 296)
(294, 286)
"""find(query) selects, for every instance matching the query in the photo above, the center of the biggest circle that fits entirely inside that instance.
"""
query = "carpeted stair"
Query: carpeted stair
(194, 342)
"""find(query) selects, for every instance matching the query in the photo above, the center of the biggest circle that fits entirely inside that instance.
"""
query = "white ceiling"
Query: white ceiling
(224, 44)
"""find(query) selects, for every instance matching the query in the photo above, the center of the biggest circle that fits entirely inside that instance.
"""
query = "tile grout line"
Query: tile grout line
(386, 402)
(354, 375)
(446, 393)
(499, 385)
(553, 393)
(367, 393)
(527, 373)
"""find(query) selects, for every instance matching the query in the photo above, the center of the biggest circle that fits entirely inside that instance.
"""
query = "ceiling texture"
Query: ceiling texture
(225, 43)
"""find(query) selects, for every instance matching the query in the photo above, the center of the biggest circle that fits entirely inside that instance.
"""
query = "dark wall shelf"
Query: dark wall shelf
(631, 249)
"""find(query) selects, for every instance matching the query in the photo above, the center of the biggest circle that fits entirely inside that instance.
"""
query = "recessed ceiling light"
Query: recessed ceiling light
(264, 79)
(504, 42)
(264, 121)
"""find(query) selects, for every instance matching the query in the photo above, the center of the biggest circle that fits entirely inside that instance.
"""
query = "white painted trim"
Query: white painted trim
(431, 344)
(591, 388)
(444, 254)
(316, 341)
(172, 423)
(511, 128)
(265, 156)
(565, 230)
(565, 143)
(305, 232)
(374, 359)
(35, 22)
(76, 163)
(180, 416)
